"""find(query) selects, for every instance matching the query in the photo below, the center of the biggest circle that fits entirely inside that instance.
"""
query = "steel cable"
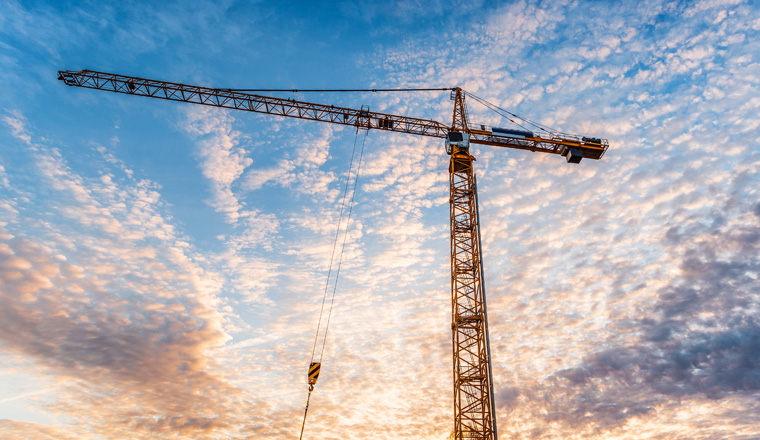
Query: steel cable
(332, 259)
(343, 247)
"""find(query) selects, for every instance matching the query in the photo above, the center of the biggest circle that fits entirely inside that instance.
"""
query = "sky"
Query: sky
(162, 264)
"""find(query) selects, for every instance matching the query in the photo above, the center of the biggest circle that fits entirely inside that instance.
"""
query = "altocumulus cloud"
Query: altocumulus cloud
(622, 293)
(125, 317)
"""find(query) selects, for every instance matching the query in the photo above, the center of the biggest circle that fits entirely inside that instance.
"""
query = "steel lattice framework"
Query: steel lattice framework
(131, 85)
(473, 396)
(474, 412)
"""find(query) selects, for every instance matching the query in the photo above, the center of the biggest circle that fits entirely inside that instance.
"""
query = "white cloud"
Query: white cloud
(706, 5)
(223, 160)
(111, 284)
(17, 123)
(4, 182)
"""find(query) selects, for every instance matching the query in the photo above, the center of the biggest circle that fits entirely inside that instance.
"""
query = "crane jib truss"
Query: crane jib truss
(555, 143)
(474, 409)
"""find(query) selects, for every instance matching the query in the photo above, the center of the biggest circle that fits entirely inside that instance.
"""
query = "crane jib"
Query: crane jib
(250, 102)
(554, 143)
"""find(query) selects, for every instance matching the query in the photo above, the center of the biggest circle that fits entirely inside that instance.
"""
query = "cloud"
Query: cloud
(694, 338)
(15, 430)
(599, 305)
(4, 182)
(622, 293)
(222, 159)
(109, 302)
(17, 123)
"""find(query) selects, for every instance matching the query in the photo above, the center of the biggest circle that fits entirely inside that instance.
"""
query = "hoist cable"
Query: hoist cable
(340, 261)
(335, 245)
(343, 247)
(303, 425)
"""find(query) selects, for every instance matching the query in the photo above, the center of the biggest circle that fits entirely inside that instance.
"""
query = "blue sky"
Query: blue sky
(162, 264)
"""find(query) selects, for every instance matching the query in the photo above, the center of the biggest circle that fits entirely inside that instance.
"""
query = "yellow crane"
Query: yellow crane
(474, 409)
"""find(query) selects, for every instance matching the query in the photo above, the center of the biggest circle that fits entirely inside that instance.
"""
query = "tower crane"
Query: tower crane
(474, 407)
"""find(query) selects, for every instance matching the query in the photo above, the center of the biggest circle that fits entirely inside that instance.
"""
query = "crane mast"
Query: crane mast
(473, 389)
(474, 409)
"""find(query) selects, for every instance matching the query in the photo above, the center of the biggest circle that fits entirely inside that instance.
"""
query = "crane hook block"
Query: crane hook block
(314, 373)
